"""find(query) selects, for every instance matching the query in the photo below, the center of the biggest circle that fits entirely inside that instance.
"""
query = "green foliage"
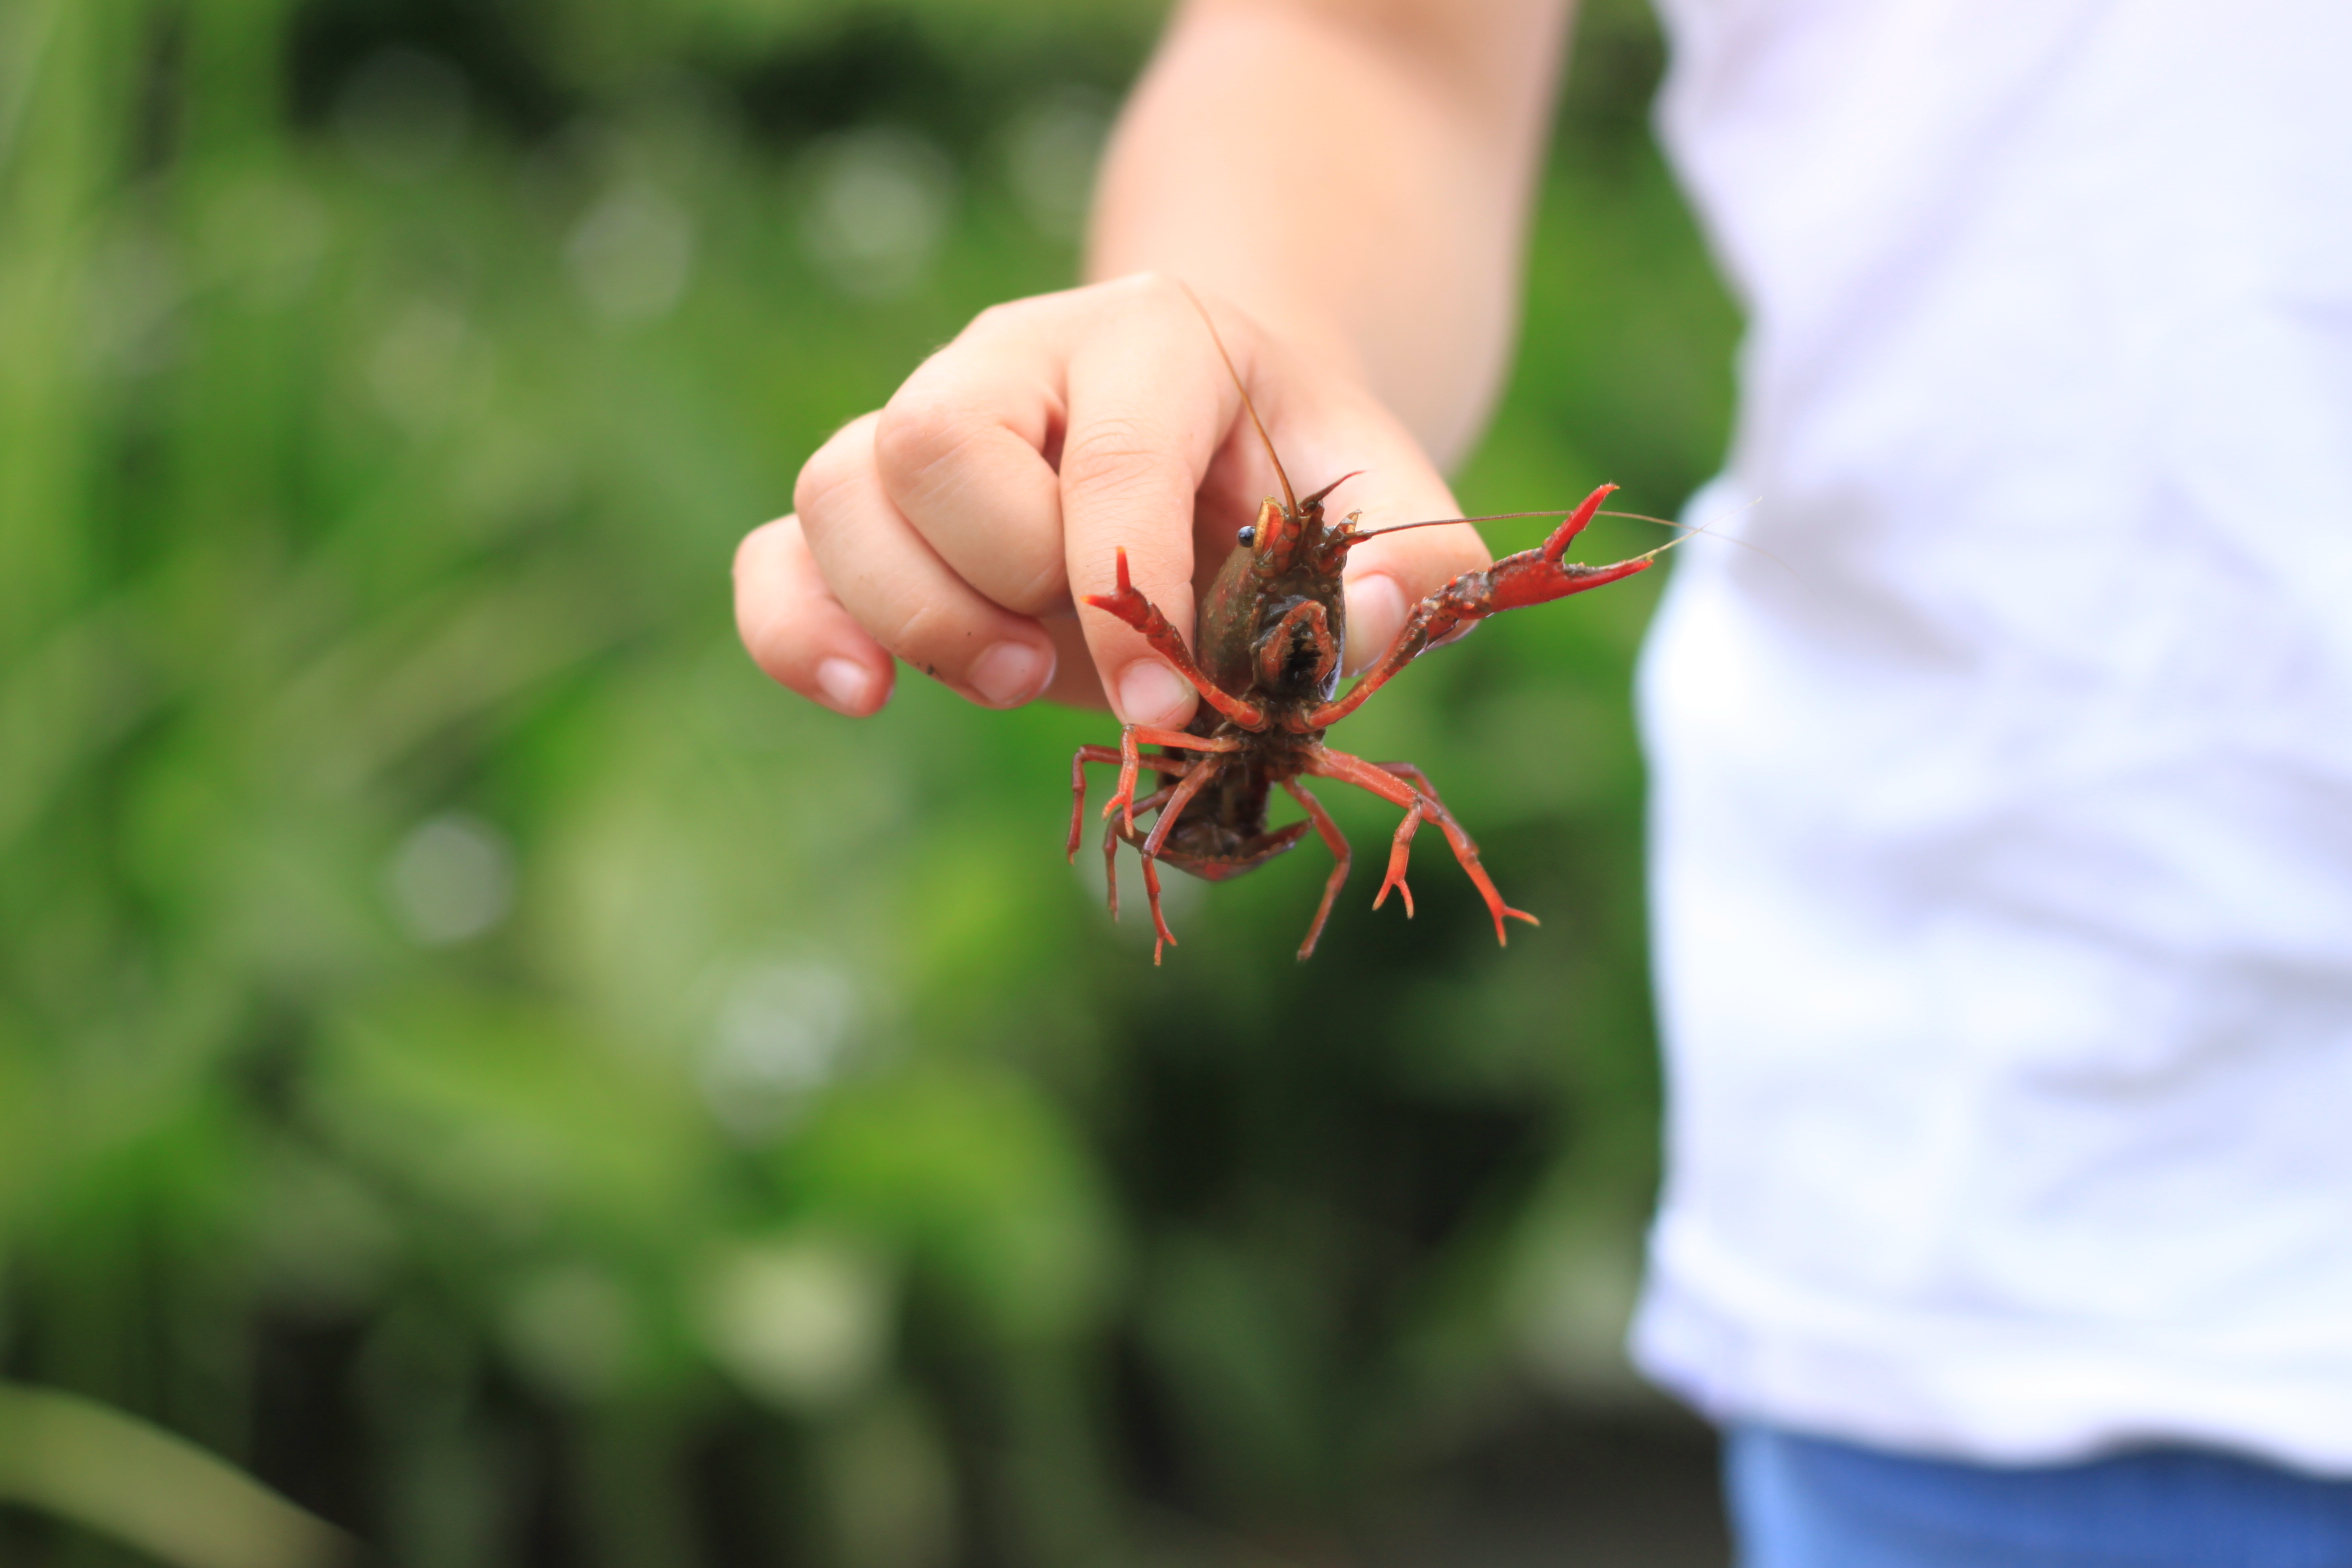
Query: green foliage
(473, 1052)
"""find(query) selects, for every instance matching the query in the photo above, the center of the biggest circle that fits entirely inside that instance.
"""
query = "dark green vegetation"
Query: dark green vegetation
(475, 1055)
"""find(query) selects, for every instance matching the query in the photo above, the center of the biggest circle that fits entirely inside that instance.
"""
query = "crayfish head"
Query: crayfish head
(1273, 540)
(1281, 533)
(1330, 551)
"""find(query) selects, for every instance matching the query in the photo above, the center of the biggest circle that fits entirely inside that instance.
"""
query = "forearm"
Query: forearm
(1354, 173)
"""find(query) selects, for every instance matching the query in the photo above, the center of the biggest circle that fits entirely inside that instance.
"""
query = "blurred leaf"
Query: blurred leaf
(515, 1119)
(124, 1478)
(972, 1171)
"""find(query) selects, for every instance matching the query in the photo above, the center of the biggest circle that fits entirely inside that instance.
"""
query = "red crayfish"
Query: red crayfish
(1271, 629)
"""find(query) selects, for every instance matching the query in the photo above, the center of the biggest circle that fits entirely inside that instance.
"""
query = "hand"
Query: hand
(951, 528)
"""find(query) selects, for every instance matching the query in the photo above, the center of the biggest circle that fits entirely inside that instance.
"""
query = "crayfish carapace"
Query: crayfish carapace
(1271, 629)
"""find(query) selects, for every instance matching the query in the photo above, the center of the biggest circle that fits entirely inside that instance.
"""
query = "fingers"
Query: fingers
(797, 631)
(895, 588)
(1050, 434)
(1150, 403)
(954, 528)
(966, 449)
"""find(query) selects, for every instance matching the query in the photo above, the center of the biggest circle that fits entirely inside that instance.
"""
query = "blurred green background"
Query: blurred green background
(476, 1057)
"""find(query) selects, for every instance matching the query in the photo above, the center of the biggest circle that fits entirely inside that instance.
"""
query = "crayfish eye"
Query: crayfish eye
(1248, 535)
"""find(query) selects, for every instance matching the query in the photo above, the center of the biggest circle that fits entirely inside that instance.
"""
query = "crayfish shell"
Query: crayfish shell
(1245, 855)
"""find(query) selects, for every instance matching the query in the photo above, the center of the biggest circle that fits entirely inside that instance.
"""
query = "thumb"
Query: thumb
(1386, 578)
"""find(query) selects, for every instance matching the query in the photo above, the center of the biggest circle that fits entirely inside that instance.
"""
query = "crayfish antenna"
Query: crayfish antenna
(1684, 532)
(1289, 497)
(1350, 541)
(1317, 497)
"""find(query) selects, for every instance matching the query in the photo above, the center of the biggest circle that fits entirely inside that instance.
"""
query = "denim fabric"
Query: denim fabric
(1807, 1502)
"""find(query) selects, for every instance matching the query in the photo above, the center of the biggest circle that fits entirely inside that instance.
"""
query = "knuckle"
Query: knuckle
(917, 632)
(998, 317)
(922, 429)
(1116, 457)
(833, 467)
(1044, 589)
(1150, 286)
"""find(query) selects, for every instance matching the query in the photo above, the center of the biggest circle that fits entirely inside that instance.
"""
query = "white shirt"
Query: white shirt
(2003, 818)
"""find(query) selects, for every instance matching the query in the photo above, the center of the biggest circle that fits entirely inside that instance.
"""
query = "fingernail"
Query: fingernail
(1011, 673)
(1149, 693)
(846, 685)
(1375, 614)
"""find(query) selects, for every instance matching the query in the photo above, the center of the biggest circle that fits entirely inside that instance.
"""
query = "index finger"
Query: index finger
(1150, 402)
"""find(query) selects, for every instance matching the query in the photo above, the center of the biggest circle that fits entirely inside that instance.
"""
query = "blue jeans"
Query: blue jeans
(1807, 1502)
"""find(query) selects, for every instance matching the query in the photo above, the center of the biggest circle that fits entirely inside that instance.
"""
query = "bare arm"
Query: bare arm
(1356, 176)
(1347, 182)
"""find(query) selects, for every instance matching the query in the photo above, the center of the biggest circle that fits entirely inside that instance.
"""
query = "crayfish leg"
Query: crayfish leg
(1337, 843)
(1111, 840)
(1178, 798)
(1162, 937)
(1389, 782)
(1465, 848)
(1400, 855)
(1129, 605)
(1085, 754)
(1132, 739)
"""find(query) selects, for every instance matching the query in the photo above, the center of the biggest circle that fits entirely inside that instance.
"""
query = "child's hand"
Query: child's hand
(950, 529)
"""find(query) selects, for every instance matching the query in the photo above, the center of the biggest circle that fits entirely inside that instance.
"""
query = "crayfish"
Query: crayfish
(1271, 629)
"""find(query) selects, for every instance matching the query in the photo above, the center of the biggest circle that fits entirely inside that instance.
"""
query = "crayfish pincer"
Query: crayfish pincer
(1271, 629)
